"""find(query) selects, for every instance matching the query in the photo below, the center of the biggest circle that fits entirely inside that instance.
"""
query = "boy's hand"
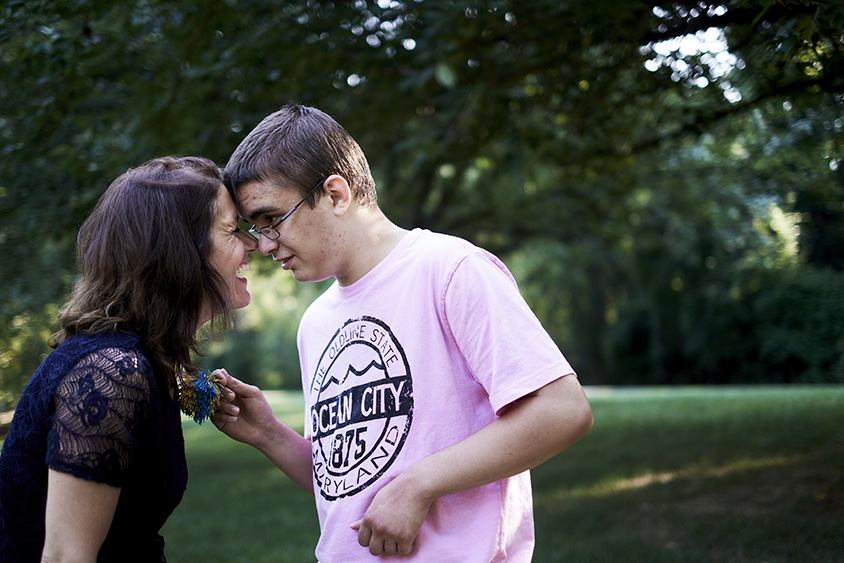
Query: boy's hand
(244, 412)
(390, 524)
(245, 415)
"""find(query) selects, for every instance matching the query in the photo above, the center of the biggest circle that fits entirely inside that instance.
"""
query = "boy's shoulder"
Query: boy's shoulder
(441, 245)
(446, 252)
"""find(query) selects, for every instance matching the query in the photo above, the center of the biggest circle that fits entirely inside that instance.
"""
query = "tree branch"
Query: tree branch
(164, 120)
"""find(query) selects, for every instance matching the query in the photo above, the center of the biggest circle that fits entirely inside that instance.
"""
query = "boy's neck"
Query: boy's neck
(374, 237)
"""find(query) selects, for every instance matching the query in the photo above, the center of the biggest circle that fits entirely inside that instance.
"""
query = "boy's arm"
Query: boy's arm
(532, 430)
(245, 415)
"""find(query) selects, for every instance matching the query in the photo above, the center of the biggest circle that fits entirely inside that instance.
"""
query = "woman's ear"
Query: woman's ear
(339, 192)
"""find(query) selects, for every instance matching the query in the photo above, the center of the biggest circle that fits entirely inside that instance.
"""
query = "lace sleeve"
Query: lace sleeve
(99, 406)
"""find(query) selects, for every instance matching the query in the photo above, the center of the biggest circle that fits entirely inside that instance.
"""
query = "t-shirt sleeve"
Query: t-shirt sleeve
(509, 352)
(99, 409)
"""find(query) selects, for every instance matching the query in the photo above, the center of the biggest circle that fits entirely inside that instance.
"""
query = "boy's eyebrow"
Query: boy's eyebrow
(260, 212)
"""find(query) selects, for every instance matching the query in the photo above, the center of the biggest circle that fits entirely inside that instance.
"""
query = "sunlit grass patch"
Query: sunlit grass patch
(619, 484)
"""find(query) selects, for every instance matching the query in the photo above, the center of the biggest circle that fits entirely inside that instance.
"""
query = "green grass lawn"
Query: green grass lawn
(238, 506)
(732, 474)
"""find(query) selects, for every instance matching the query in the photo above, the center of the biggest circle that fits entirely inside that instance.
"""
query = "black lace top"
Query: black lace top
(94, 409)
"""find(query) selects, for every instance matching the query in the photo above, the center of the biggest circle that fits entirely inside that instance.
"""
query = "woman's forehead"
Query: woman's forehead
(226, 208)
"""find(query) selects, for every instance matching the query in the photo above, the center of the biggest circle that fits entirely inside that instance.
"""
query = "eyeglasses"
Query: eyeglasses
(270, 230)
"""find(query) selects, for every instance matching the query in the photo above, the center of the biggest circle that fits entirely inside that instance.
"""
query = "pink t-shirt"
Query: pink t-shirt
(420, 353)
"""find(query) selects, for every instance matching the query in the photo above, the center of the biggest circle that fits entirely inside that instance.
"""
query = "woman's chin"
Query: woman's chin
(242, 300)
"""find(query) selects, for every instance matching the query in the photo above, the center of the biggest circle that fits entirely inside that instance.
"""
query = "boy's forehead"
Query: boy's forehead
(258, 198)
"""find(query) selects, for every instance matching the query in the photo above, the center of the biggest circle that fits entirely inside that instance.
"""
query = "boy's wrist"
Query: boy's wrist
(421, 483)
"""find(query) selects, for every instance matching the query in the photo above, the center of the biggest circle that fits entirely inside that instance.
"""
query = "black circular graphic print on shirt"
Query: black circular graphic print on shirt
(362, 407)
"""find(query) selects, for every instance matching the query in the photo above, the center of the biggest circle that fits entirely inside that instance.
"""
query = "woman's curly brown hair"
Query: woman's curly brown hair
(143, 256)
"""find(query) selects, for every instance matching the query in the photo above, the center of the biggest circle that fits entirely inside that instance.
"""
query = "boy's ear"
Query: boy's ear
(340, 192)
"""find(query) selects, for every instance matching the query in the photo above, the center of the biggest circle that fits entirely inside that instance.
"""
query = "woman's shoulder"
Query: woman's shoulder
(114, 344)
(116, 357)
(102, 339)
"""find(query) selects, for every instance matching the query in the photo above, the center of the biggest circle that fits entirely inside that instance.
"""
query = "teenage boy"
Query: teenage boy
(430, 387)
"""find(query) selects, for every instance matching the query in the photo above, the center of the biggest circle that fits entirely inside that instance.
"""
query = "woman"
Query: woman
(94, 461)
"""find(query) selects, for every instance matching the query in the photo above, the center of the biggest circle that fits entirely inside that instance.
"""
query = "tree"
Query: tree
(603, 136)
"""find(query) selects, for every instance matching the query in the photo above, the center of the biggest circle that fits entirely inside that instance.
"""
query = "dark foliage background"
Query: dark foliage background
(664, 179)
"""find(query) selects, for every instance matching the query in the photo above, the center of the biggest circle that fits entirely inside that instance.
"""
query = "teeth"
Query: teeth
(242, 268)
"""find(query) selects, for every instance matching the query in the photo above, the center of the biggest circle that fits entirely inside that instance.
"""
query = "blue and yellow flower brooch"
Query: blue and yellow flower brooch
(200, 395)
